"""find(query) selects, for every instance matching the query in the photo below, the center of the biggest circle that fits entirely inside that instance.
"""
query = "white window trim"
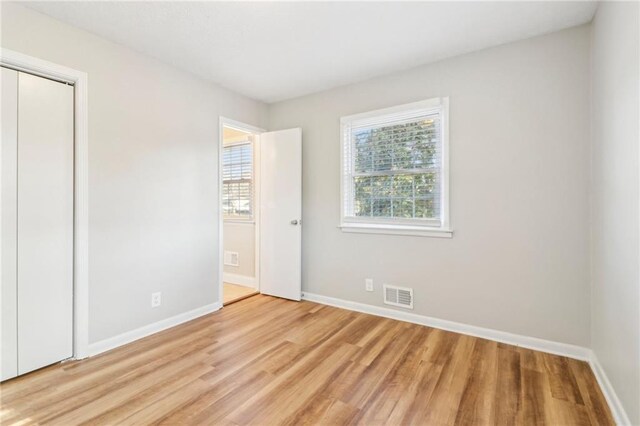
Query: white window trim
(248, 221)
(240, 142)
(398, 227)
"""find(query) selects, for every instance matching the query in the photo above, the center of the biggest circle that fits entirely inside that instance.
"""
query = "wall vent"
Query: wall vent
(231, 258)
(398, 296)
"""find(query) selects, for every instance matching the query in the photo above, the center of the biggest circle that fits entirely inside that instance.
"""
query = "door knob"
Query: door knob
(294, 222)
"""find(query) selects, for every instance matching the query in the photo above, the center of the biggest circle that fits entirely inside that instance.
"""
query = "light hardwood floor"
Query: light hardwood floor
(234, 293)
(270, 361)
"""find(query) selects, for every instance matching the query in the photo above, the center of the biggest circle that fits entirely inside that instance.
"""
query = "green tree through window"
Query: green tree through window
(396, 169)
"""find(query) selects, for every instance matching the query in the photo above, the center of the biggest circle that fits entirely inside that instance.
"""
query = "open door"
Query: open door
(281, 213)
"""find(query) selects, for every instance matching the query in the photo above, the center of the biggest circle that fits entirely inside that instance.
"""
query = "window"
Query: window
(237, 180)
(394, 174)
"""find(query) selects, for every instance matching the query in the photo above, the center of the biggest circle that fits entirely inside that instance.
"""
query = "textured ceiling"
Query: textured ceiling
(272, 51)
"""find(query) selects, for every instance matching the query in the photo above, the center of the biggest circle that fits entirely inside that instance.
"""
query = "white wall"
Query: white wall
(615, 297)
(519, 140)
(153, 135)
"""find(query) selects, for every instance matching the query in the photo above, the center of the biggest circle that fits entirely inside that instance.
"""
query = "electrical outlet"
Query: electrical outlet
(368, 284)
(156, 299)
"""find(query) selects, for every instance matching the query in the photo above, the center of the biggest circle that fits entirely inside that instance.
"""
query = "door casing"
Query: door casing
(222, 123)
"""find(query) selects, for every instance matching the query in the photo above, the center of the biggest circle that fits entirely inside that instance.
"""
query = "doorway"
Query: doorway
(239, 207)
(260, 220)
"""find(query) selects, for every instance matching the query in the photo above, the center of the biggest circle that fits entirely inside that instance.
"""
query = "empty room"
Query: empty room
(320, 213)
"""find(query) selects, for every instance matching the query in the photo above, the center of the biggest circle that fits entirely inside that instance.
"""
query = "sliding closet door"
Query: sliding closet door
(8, 153)
(45, 222)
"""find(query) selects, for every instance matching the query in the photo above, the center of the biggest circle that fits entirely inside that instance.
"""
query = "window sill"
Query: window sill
(416, 231)
(239, 221)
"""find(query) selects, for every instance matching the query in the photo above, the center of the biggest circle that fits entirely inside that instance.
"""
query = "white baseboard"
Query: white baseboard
(130, 336)
(617, 410)
(564, 349)
(243, 280)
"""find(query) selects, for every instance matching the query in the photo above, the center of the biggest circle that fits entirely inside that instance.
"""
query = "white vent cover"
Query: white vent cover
(231, 258)
(398, 296)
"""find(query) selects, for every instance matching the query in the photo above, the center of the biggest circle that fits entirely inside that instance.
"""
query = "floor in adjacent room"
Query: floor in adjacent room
(271, 361)
(233, 293)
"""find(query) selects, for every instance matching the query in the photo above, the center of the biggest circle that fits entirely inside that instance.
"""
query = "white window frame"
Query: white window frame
(415, 227)
(247, 218)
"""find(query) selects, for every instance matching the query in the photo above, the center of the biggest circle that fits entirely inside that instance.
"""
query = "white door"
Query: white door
(281, 213)
(45, 222)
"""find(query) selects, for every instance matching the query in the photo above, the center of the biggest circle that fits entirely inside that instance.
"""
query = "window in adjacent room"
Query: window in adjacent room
(237, 180)
(395, 170)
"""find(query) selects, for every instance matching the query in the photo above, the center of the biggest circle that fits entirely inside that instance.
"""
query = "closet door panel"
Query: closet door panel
(8, 220)
(45, 222)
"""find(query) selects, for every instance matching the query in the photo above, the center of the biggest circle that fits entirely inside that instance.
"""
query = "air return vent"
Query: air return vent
(231, 258)
(398, 296)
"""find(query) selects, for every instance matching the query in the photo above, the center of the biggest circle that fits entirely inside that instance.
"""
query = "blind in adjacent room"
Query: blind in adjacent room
(237, 180)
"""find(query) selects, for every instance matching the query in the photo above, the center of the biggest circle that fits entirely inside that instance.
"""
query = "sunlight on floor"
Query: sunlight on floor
(233, 293)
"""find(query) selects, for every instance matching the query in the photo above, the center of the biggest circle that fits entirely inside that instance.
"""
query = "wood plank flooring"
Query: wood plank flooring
(232, 293)
(270, 361)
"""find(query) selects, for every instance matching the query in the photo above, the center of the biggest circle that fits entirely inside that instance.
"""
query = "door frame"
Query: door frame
(29, 64)
(228, 122)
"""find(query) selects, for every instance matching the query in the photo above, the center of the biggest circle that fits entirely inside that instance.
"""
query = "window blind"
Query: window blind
(393, 167)
(237, 180)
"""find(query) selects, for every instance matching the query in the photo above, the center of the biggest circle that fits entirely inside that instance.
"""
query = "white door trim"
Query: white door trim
(22, 62)
(222, 122)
